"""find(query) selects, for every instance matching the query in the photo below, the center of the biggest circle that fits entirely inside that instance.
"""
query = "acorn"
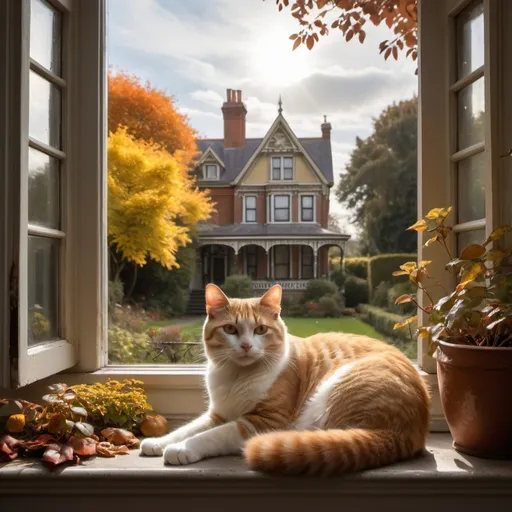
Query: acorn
(154, 426)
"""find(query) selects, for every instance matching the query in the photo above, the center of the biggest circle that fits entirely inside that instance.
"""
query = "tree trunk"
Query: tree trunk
(132, 284)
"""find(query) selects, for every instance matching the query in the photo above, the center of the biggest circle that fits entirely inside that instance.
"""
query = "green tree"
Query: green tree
(380, 181)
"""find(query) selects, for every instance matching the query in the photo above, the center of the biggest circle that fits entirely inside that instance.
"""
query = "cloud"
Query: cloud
(208, 97)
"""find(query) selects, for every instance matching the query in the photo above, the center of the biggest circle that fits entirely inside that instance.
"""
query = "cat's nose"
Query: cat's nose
(245, 346)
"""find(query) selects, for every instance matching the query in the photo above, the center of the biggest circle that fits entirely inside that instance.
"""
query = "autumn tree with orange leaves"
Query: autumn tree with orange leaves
(318, 17)
(153, 203)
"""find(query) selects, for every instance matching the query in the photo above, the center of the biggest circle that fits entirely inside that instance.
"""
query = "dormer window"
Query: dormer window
(211, 172)
(282, 168)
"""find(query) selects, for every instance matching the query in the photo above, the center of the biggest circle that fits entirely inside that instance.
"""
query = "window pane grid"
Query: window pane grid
(250, 209)
(45, 158)
(282, 262)
(281, 208)
(282, 168)
(306, 210)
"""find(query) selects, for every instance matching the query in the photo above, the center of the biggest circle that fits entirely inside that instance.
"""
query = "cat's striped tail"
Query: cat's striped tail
(328, 452)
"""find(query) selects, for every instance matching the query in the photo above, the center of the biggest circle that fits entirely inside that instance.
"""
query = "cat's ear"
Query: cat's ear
(215, 299)
(272, 298)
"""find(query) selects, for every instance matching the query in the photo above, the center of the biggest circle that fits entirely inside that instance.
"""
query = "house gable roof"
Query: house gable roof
(238, 160)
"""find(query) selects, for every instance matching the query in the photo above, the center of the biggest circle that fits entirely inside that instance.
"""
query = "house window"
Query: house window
(250, 208)
(306, 262)
(281, 208)
(307, 208)
(282, 168)
(469, 156)
(281, 262)
(251, 261)
(211, 172)
(46, 155)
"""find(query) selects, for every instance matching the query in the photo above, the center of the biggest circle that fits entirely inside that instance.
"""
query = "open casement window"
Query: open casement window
(460, 125)
(53, 185)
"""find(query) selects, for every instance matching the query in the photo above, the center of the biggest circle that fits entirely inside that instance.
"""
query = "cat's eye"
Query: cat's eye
(229, 328)
(261, 329)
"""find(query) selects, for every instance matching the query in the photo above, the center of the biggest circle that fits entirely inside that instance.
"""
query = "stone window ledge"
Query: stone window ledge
(441, 478)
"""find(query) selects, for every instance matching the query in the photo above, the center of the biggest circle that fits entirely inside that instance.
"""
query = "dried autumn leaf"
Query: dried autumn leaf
(421, 225)
(423, 332)
(497, 255)
(84, 428)
(472, 252)
(9, 447)
(106, 449)
(15, 423)
(403, 299)
(431, 241)
(498, 233)
(119, 436)
(38, 444)
(84, 447)
(57, 453)
(296, 44)
(408, 321)
(470, 275)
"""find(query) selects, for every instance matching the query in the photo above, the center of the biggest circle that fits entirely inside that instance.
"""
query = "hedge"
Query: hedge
(384, 322)
(356, 267)
(381, 268)
(356, 291)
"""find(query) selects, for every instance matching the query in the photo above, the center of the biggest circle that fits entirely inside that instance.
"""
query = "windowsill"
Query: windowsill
(440, 472)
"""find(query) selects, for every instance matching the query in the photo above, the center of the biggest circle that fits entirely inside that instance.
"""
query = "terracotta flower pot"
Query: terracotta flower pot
(475, 384)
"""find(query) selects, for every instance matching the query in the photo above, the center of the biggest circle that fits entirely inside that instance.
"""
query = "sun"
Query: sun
(273, 63)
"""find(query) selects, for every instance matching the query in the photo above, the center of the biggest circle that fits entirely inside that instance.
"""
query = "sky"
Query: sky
(196, 49)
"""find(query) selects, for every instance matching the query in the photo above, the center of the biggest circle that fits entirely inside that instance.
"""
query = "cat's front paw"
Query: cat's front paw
(152, 447)
(181, 454)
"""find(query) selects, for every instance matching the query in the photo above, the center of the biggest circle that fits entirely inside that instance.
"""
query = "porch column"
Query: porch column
(315, 262)
(290, 268)
(268, 263)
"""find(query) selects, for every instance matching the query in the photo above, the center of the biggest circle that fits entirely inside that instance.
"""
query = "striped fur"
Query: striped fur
(330, 403)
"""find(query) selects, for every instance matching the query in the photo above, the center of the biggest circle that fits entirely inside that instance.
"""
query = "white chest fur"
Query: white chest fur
(234, 391)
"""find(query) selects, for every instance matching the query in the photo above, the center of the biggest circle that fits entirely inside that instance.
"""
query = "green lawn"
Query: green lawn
(305, 327)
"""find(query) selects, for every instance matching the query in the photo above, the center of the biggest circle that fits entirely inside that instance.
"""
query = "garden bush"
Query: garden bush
(127, 347)
(329, 306)
(356, 267)
(238, 286)
(115, 295)
(380, 295)
(318, 288)
(338, 277)
(396, 291)
(381, 268)
(356, 291)
(384, 321)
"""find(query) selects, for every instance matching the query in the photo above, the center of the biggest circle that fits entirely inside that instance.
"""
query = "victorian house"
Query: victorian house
(272, 203)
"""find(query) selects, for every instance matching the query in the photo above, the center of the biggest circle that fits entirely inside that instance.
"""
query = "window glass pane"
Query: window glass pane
(282, 215)
(470, 39)
(471, 108)
(43, 279)
(250, 216)
(307, 201)
(276, 174)
(288, 162)
(471, 191)
(45, 33)
(44, 111)
(250, 202)
(288, 173)
(281, 201)
(276, 162)
(211, 171)
(281, 262)
(307, 256)
(307, 214)
(43, 189)
(469, 237)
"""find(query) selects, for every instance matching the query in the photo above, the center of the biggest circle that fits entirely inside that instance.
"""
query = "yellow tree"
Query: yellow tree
(317, 17)
(152, 201)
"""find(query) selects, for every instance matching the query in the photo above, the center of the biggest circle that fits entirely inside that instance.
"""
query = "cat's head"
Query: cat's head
(243, 331)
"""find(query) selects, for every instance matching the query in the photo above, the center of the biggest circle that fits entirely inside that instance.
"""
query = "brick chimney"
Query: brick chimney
(234, 112)
(326, 129)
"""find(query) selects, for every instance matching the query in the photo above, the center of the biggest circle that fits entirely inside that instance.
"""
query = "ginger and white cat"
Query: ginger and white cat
(330, 403)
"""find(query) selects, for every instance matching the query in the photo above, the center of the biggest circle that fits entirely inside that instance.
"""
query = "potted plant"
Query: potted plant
(470, 333)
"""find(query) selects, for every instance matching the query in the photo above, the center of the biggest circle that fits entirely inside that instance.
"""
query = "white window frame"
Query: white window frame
(437, 141)
(244, 216)
(307, 194)
(205, 171)
(84, 179)
(272, 208)
(281, 177)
